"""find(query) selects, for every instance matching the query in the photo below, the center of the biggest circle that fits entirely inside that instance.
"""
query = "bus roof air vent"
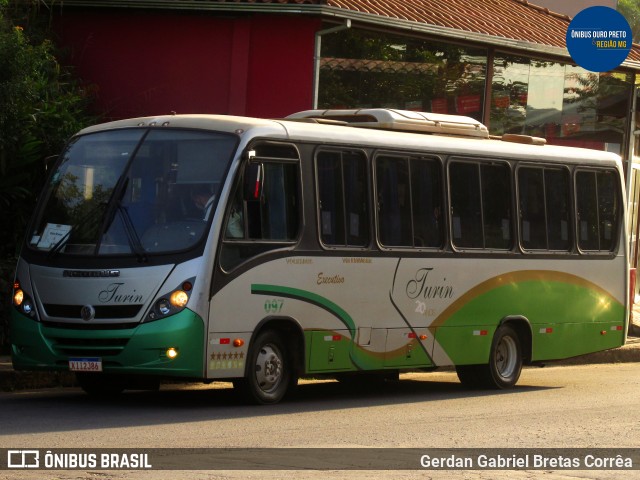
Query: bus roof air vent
(525, 139)
(400, 120)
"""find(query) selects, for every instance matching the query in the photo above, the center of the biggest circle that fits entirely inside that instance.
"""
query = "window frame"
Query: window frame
(571, 249)
(479, 162)
(615, 244)
(409, 156)
(269, 245)
(337, 149)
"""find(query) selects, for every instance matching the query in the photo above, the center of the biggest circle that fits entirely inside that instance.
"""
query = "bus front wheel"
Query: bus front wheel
(505, 363)
(269, 370)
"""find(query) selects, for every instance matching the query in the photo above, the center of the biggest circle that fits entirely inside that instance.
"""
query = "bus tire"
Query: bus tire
(270, 373)
(101, 385)
(505, 363)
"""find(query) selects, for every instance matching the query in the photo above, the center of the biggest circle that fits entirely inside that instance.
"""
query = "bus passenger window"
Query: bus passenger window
(343, 198)
(465, 205)
(558, 198)
(545, 205)
(409, 202)
(597, 204)
(393, 187)
(426, 197)
(533, 229)
(496, 205)
(481, 205)
(607, 209)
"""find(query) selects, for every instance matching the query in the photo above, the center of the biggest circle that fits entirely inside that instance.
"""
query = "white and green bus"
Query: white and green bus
(345, 242)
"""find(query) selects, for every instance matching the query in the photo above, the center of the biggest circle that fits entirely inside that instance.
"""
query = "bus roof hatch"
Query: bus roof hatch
(402, 120)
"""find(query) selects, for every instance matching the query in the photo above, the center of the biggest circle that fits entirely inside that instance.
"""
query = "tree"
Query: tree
(41, 106)
(630, 9)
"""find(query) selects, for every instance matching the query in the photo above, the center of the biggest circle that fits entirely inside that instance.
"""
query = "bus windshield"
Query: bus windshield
(132, 192)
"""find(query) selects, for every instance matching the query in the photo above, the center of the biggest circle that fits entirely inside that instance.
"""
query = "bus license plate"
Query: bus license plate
(85, 364)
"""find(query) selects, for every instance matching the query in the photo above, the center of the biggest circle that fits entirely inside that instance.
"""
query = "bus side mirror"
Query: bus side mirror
(253, 181)
(50, 161)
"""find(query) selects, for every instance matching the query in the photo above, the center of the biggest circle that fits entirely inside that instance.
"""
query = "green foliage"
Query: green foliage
(630, 9)
(41, 106)
(7, 266)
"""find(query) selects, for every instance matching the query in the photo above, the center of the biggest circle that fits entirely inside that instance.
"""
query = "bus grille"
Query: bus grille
(90, 325)
(89, 347)
(102, 311)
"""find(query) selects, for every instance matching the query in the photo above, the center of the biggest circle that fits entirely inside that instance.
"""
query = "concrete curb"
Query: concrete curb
(11, 380)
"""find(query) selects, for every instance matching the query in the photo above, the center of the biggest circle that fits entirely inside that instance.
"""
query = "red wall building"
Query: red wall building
(155, 63)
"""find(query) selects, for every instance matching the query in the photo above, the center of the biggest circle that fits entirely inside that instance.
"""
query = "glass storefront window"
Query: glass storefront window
(565, 104)
(361, 69)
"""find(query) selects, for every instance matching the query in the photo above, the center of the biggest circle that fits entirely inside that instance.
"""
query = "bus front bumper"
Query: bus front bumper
(139, 350)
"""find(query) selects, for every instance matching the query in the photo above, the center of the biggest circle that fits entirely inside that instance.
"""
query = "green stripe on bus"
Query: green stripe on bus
(309, 297)
(575, 310)
(360, 358)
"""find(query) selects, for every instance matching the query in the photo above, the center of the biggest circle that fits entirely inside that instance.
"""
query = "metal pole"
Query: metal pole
(316, 57)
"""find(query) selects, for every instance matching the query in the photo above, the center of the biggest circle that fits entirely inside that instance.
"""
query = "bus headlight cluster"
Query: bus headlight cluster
(172, 302)
(179, 298)
(22, 301)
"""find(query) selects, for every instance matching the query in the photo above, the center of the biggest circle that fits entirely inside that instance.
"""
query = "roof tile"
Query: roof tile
(512, 19)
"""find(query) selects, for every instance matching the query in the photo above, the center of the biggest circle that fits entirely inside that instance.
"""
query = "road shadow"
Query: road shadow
(69, 409)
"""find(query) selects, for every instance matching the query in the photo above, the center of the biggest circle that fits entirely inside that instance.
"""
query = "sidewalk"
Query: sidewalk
(11, 380)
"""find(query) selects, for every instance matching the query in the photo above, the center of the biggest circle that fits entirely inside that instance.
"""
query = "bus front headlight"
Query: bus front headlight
(179, 298)
(172, 302)
(22, 301)
(18, 298)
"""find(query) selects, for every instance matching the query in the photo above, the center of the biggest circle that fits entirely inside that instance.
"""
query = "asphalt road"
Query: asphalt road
(590, 406)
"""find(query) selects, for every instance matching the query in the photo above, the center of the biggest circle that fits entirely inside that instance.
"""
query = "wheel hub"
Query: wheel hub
(268, 368)
(506, 357)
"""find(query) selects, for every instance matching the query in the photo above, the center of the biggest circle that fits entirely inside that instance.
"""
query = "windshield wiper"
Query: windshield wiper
(63, 240)
(114, 204)
(130, 231)
(132, 235)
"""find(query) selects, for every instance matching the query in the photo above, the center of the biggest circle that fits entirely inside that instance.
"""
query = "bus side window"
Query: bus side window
(558, 198)
(394, 203)
(426, 197)
(496, 205)
(533, 229)
(597, 204)
(343, 198)
(466, 221)
(235, 225)
(481, 204)
(545, 206)
(409, 193)
(274, 216)
(271, 219)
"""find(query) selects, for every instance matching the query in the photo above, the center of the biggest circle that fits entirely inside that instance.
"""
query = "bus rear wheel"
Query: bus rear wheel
(270, 373)
(505, 363)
